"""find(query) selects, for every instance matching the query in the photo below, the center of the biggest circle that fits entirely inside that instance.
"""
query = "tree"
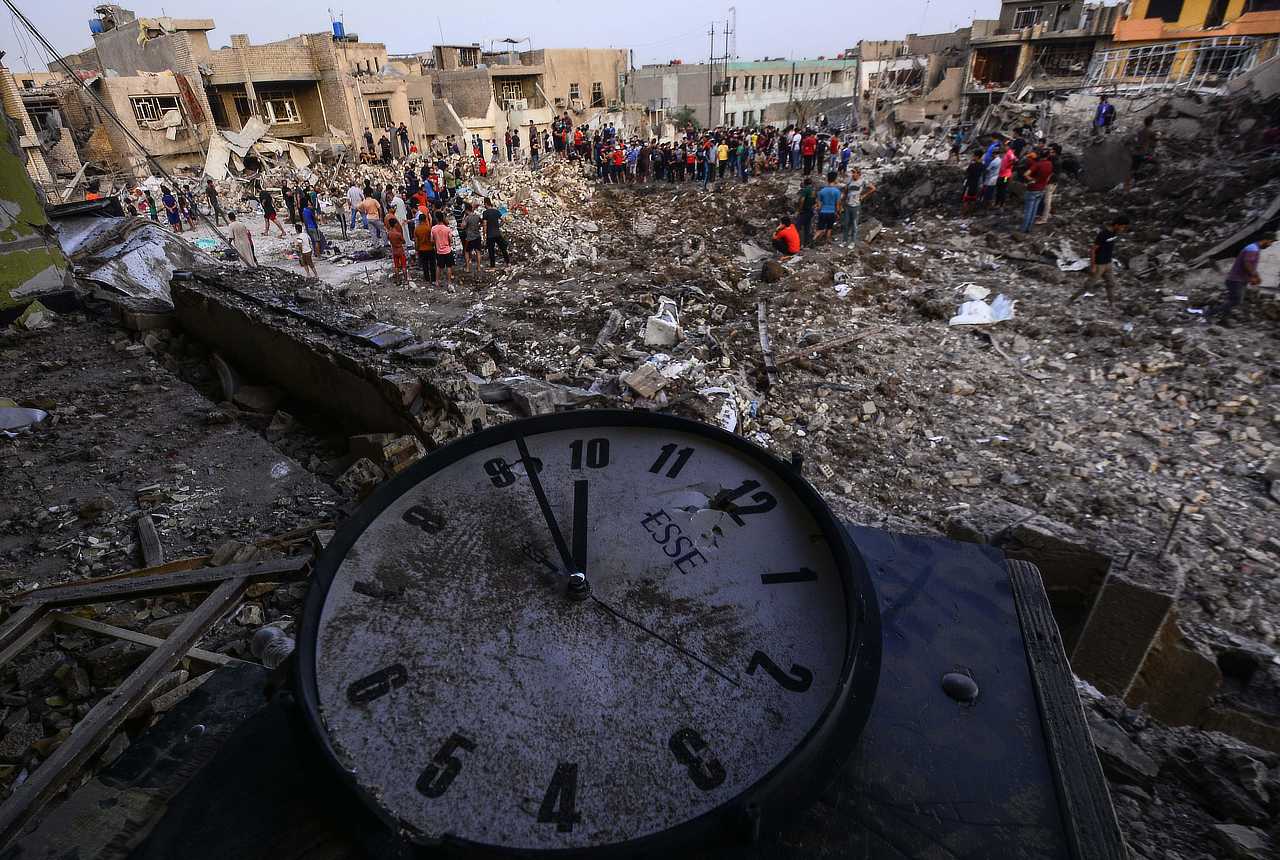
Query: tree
(803, 111)
(685, 116)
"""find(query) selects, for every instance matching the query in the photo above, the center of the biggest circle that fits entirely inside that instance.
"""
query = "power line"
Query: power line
(111, 113)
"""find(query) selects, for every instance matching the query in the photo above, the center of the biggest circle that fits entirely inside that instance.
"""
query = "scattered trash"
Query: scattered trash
(981, 313)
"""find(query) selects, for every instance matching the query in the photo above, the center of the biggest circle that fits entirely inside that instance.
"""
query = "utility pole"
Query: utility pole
(711, 79)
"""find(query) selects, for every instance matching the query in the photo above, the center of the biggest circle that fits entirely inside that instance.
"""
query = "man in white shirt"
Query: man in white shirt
(355, 196)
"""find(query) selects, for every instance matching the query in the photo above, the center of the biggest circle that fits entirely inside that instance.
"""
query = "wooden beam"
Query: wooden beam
(97, 591)
(149, 538)
(110, 712)
(70, 620)
(1087, 814)
(26, 634)
(17, 623)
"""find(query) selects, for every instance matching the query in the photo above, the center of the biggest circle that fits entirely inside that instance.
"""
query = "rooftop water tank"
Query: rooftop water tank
(339, 31)
(95, 25)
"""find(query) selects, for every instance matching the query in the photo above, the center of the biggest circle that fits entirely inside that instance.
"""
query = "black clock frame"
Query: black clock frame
(767, 805)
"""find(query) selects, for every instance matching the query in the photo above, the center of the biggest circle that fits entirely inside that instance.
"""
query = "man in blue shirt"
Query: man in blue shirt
(312, 226)
(828, 199)
(1104, 116)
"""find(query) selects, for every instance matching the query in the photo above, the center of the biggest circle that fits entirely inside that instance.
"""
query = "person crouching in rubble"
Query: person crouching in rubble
(1244, 272)
(786, 239)
(302, 245)
(399, 262)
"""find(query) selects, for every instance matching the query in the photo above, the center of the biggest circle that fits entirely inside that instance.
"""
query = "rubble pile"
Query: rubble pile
(1185, 793)
(122, 449)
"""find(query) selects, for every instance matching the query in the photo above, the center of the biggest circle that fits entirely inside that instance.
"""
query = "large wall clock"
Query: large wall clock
(599, 633)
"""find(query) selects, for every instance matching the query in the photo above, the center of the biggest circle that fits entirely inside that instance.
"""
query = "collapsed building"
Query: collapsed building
(324, 91)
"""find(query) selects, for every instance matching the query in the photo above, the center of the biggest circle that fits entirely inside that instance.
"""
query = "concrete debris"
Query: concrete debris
(663, 328)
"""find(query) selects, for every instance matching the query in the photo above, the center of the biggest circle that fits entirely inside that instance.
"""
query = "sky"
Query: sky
(657, 30)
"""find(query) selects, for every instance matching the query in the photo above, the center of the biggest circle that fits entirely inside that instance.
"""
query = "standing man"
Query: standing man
(972, 183)
(268, 213)
(211, 194)
(1144, 150)
(242, 241)
(493, 238)
(533, 145)
(1100, 256)
(403, 132)
(722, 158)
(1104, 116)
(311, 223)
(440, 237)
(371, 211)
(855, 191)
(368, 143)
(171, 210)
(804, 214)
(399, 261)
(302, 244)
(828, 199)
(290, 201)
(470, 230)
(1037, 175)
(355, 196)
(809, 150)
(425, 248)
(1244, 272)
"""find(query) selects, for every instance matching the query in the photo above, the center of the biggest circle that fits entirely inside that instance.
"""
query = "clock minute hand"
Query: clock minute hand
(664, 640)
(556, 535)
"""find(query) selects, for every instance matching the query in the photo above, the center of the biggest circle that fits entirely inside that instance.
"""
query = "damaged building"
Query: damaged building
(1034, 50)
(904, 83)
(1187, 44)
(176, 92)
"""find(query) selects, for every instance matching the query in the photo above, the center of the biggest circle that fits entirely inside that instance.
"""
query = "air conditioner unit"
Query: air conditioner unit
(559, 102)
(517, 104)
(578, 105)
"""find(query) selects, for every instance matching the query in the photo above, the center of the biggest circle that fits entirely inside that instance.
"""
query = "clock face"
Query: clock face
(585, 630)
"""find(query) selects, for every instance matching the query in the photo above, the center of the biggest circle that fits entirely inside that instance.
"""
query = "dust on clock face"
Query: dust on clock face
(474, 689)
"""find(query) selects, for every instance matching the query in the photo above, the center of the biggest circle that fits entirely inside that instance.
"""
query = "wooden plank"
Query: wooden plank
(1085, 802)
(766, 347)
(149, 538)
(825, 346)
(70, 620)
(97, 591)
(27, 634)
(18, 622)
(110, 712)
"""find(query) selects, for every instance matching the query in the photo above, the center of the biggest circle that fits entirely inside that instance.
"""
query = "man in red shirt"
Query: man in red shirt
(786, 239)
(833, 153)
(809, 150)
(1037, 175)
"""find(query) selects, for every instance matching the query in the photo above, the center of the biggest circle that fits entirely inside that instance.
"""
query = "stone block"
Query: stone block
(1178, 678)
(1120, 629)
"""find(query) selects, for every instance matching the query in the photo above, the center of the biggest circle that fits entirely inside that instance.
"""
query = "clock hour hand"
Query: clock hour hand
(556, 535)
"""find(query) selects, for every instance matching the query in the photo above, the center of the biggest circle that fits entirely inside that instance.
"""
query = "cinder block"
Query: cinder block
(1123, 624)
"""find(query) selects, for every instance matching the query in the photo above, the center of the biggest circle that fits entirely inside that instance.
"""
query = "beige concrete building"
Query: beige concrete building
(174, 90)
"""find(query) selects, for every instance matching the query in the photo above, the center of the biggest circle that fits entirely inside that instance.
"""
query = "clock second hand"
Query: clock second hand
(694, 657)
